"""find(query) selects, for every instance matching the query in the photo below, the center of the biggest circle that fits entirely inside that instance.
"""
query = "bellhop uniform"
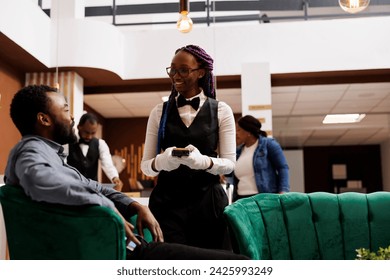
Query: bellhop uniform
(88, 164)
(85, 158)
(189, 203)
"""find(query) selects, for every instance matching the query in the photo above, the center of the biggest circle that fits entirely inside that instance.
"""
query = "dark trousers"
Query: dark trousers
(173, 251)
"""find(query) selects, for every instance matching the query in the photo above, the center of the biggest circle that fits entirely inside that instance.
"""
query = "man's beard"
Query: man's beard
(64, 134)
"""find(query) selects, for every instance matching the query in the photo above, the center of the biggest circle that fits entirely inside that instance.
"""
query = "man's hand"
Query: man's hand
(128, 230)
(146, 219)
(118, 184)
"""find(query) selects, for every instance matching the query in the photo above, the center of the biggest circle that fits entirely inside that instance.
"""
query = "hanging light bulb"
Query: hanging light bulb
(353, 6)
(184, 24)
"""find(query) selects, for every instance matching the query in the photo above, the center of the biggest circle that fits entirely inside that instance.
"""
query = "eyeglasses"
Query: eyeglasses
(183, 72)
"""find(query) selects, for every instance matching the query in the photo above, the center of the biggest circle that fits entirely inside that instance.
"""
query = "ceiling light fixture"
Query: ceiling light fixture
(353, 6)
(184, 24)
(343, 118)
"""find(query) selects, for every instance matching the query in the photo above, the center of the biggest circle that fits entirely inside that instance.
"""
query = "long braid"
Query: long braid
(164, 116)
(206, 83)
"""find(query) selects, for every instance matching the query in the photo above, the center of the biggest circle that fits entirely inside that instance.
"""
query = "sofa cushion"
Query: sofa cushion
(309, 226)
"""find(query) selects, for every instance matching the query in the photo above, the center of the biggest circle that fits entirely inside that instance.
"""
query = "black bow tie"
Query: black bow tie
(181, 101)
(82, 141)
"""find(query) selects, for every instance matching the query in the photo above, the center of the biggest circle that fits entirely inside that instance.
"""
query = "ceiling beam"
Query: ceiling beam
(234, 81)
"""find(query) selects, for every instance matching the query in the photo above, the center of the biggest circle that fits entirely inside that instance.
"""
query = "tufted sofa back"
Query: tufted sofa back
(303, 226)
(43, 231)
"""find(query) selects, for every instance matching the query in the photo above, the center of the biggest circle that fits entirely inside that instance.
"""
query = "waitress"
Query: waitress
(188, 200)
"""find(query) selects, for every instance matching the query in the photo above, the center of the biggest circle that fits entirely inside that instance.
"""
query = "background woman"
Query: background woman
(188, 199)
(261, 166)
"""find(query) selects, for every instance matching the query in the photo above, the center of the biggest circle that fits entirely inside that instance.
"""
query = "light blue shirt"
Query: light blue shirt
(37, 165)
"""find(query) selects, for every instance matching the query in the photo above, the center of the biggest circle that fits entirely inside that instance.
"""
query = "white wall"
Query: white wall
(297, 175)
(87, 43)
(305, 46)
(288, 47)
(28, 26)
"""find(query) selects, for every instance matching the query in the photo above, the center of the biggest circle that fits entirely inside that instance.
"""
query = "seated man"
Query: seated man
(37, 164)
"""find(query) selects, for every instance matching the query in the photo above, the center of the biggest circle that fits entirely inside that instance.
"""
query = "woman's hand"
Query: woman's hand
(165, 161)
(196, 160)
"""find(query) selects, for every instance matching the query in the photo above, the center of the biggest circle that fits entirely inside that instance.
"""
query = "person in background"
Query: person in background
(37, 164)
(261, 166)
(188, 199)
(85, 154)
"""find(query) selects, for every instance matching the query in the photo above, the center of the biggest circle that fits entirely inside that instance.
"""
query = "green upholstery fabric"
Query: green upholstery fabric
(312, 226)
(38, 230)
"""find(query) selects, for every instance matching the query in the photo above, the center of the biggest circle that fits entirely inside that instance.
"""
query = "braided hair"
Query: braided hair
(206, 83)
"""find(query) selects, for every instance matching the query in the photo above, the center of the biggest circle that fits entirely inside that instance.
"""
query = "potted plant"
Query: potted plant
(366, 254)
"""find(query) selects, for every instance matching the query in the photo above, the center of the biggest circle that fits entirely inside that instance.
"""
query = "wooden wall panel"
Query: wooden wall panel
(126, 138)
(10, 82)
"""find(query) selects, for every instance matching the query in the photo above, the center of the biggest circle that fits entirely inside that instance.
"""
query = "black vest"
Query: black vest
(88, 166)
(203, 133)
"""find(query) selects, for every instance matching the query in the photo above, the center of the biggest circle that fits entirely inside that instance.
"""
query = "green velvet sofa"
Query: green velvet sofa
(313, 226)
(43, 231)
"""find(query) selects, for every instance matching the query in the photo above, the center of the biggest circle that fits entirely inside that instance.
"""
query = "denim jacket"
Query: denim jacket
(270, 167)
